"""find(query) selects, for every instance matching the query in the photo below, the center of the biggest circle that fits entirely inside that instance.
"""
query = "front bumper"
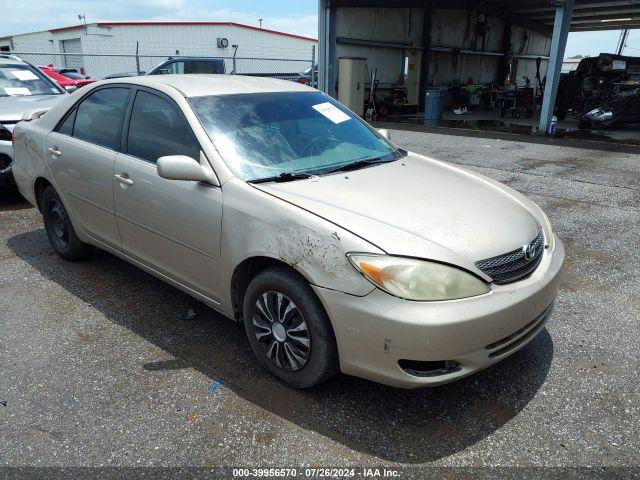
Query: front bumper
(378, 330)
(6, 162)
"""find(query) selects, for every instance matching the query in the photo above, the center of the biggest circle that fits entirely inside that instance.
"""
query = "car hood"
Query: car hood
(12, 108)
(418, 207)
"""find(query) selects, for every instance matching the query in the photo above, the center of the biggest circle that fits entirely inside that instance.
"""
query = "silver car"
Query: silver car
(22, 88)
(280, 208)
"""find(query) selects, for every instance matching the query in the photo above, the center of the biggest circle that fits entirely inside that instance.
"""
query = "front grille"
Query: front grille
(513, 266)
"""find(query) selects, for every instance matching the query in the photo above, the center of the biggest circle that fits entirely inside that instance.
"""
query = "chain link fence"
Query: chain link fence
(111, 65)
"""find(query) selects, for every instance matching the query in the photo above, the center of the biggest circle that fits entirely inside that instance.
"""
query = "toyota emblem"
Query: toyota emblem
(529, 251)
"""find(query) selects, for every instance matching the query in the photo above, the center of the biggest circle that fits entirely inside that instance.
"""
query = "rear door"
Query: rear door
(82, 152)
(172, 226)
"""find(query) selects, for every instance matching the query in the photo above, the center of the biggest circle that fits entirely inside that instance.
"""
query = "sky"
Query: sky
(293, 16)
(593, 43)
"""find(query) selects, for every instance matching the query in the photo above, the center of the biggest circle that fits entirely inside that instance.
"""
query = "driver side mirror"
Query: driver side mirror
(181, 167)
(385, 133)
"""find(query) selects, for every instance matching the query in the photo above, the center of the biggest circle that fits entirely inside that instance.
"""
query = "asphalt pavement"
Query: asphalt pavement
(103, 365)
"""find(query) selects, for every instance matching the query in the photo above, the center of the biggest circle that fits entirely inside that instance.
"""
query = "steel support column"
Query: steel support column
(327, 47)
(426, 57)
(564, 11)
(322, 45)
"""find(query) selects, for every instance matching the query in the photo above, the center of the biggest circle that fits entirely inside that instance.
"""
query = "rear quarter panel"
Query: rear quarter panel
(29, 160)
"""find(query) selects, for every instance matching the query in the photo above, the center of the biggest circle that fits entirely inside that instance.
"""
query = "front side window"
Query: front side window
(157, 129)
(99, 117)
(204, 66)
(192, 66)
(263, 135)
(22, 80)
(175, 68)
(172, 68)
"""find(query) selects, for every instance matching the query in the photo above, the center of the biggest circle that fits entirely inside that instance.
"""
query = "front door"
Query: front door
(172, 226)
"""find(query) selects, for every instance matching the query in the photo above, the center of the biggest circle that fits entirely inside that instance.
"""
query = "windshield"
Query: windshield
(18, 80)
(264, 135)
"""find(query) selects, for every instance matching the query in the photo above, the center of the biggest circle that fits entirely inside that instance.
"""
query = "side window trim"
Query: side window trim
(127, 123)
(71, 113)
(124, 133)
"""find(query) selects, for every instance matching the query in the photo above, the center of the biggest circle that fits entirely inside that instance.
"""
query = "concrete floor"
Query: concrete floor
(491, 121)
(101, 367)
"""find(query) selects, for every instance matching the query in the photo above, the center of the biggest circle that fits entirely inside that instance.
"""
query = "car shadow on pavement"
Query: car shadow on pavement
(10, 199)
(408, 426)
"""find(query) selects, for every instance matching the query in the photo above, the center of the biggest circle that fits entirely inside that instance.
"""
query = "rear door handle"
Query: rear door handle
(124, 180)
(55, 151)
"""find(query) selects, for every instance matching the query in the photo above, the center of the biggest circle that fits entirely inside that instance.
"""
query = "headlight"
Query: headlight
(418, 279)
(551, 240)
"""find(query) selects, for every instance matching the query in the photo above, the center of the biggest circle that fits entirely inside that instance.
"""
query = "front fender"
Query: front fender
(257, 224)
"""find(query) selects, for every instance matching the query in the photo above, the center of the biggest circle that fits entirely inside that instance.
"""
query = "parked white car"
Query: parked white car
(22, 88)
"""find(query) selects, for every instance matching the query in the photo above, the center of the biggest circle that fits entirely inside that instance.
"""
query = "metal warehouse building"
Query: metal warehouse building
(107, 47)
(418, 45)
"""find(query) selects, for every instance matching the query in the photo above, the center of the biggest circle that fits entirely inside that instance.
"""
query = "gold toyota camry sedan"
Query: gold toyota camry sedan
(280, 208)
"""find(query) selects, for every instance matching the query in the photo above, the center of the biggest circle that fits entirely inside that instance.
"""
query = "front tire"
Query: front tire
(60, 231)
(288, 329)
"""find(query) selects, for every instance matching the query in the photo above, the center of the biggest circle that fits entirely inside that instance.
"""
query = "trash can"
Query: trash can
(433, 103)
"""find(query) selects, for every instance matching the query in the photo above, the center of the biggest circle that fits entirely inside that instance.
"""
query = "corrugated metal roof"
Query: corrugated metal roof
(536, 14)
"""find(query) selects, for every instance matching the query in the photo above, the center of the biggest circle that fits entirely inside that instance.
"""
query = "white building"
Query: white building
(108, 47)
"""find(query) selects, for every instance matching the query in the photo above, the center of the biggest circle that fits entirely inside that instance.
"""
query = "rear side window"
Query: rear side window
(66, 128)
(99, 117)
(157, 129)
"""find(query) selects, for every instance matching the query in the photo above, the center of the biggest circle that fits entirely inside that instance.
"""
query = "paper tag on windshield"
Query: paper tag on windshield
(24, 75)
(12, 91)
(332, 113)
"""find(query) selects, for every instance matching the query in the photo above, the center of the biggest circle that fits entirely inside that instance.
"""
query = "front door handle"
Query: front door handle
(124, 179)
(55, 151)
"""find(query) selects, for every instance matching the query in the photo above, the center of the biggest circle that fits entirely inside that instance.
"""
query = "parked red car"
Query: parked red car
(68, 79)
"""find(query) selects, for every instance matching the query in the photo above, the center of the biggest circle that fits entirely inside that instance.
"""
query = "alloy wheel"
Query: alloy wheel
(59, 224)
(282, 331)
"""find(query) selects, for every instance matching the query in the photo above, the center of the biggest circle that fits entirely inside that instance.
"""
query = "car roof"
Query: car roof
(193, 85)
(193, 57)
(6, 59)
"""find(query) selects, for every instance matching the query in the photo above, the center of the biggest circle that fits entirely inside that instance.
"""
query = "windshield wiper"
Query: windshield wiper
(283, 177)
(358, 164)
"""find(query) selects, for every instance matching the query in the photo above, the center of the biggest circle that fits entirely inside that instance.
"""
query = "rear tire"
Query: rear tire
(60, 231)
(288, 329)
